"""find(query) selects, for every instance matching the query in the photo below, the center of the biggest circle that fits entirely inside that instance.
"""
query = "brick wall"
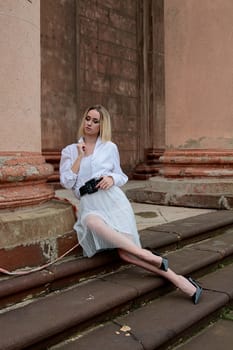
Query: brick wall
(89, 55)
(108, 73)
(58, 73)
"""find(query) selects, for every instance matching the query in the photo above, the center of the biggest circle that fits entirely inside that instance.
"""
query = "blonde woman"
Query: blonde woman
(91, 168)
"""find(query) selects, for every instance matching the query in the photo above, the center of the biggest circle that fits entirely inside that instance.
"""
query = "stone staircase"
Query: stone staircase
(102, 303)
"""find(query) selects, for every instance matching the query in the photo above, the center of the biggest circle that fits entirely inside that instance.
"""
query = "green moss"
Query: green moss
(147, 214)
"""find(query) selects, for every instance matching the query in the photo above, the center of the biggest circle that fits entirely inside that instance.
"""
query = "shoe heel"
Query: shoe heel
(164, 265)
(196, 296)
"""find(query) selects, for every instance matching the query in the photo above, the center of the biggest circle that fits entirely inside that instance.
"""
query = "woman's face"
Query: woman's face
(92, 123)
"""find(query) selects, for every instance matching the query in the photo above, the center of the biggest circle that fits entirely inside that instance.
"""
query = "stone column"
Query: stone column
(151, 80)
(198, 160)
(34, 228)
(198, 80)
(197, 164)
(23, 170)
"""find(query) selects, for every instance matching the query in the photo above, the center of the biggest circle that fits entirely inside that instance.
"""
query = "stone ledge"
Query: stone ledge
(23, 226)
(38, 253)
(193, 200)
(36, 235)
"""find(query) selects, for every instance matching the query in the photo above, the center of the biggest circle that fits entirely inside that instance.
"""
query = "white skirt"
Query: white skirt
(114, 208)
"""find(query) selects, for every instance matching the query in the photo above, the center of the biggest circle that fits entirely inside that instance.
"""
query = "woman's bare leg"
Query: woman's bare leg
(97, 225)
(130, 252)
(178, 280)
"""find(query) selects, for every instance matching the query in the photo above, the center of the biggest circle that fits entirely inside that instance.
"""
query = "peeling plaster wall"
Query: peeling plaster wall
(199, 73)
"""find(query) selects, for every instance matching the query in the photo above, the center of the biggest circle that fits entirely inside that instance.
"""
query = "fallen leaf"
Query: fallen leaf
(125, 328)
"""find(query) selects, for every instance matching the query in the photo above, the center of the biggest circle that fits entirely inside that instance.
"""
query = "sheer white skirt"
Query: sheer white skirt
(114, 208)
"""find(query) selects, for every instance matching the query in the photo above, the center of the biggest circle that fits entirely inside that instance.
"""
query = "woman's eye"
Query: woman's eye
(95, 121)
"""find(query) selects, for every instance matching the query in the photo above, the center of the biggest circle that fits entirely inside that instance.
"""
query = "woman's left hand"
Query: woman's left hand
(105, 183)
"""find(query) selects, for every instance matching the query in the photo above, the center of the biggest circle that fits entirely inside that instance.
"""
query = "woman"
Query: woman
(91, 168)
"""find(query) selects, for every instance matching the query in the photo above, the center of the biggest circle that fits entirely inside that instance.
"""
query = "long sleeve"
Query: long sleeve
(118, 176)
(67, 177)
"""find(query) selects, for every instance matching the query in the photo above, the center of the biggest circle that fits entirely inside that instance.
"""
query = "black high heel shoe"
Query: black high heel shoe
(196, 296)
(164, 263)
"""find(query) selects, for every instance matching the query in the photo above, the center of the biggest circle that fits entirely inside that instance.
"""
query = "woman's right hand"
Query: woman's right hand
(81, 148)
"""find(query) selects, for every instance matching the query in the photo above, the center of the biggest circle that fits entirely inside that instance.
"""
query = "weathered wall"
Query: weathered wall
(89, 55)
(199, 72)
(109, 67)
(58, 73)
(20, 77)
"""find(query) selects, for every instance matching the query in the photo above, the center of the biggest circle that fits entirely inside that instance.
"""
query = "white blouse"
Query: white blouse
(104, 161)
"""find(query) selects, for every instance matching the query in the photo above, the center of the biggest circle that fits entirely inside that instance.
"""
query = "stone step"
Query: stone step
(181, 199)
(162, 322)
(163, 237)
(45, 320)
(218, 335)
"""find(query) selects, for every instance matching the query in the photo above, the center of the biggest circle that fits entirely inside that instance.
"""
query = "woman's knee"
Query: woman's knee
(120, 253)
(92, 222)
(123, 255)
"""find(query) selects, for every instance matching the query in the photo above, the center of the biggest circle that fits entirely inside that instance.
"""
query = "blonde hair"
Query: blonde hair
(105, 123)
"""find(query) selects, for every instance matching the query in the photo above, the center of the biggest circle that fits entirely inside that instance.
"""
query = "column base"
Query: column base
(36, 235)
(151, 166)
(23, 179)
(201, 163)
(53, 157)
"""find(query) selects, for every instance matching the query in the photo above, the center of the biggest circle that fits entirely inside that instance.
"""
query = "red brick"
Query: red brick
(117, 37)
(88, 28)
(89, 9)
(112, 4)
(129, 7)
(96, 82)
(124, 68)
(88, 98)
(122, 22)
(104, 64)
(66, 242)
(90, 44)
(88, 59)
(107, 48)
(107, 33)
(124, 87)
(131, 108)
(114, 103)
(21, 256)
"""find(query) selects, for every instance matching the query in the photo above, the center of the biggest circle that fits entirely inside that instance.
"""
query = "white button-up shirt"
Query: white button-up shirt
(105, 161)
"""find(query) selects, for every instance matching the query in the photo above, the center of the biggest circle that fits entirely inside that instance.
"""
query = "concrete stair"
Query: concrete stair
(86, 302)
